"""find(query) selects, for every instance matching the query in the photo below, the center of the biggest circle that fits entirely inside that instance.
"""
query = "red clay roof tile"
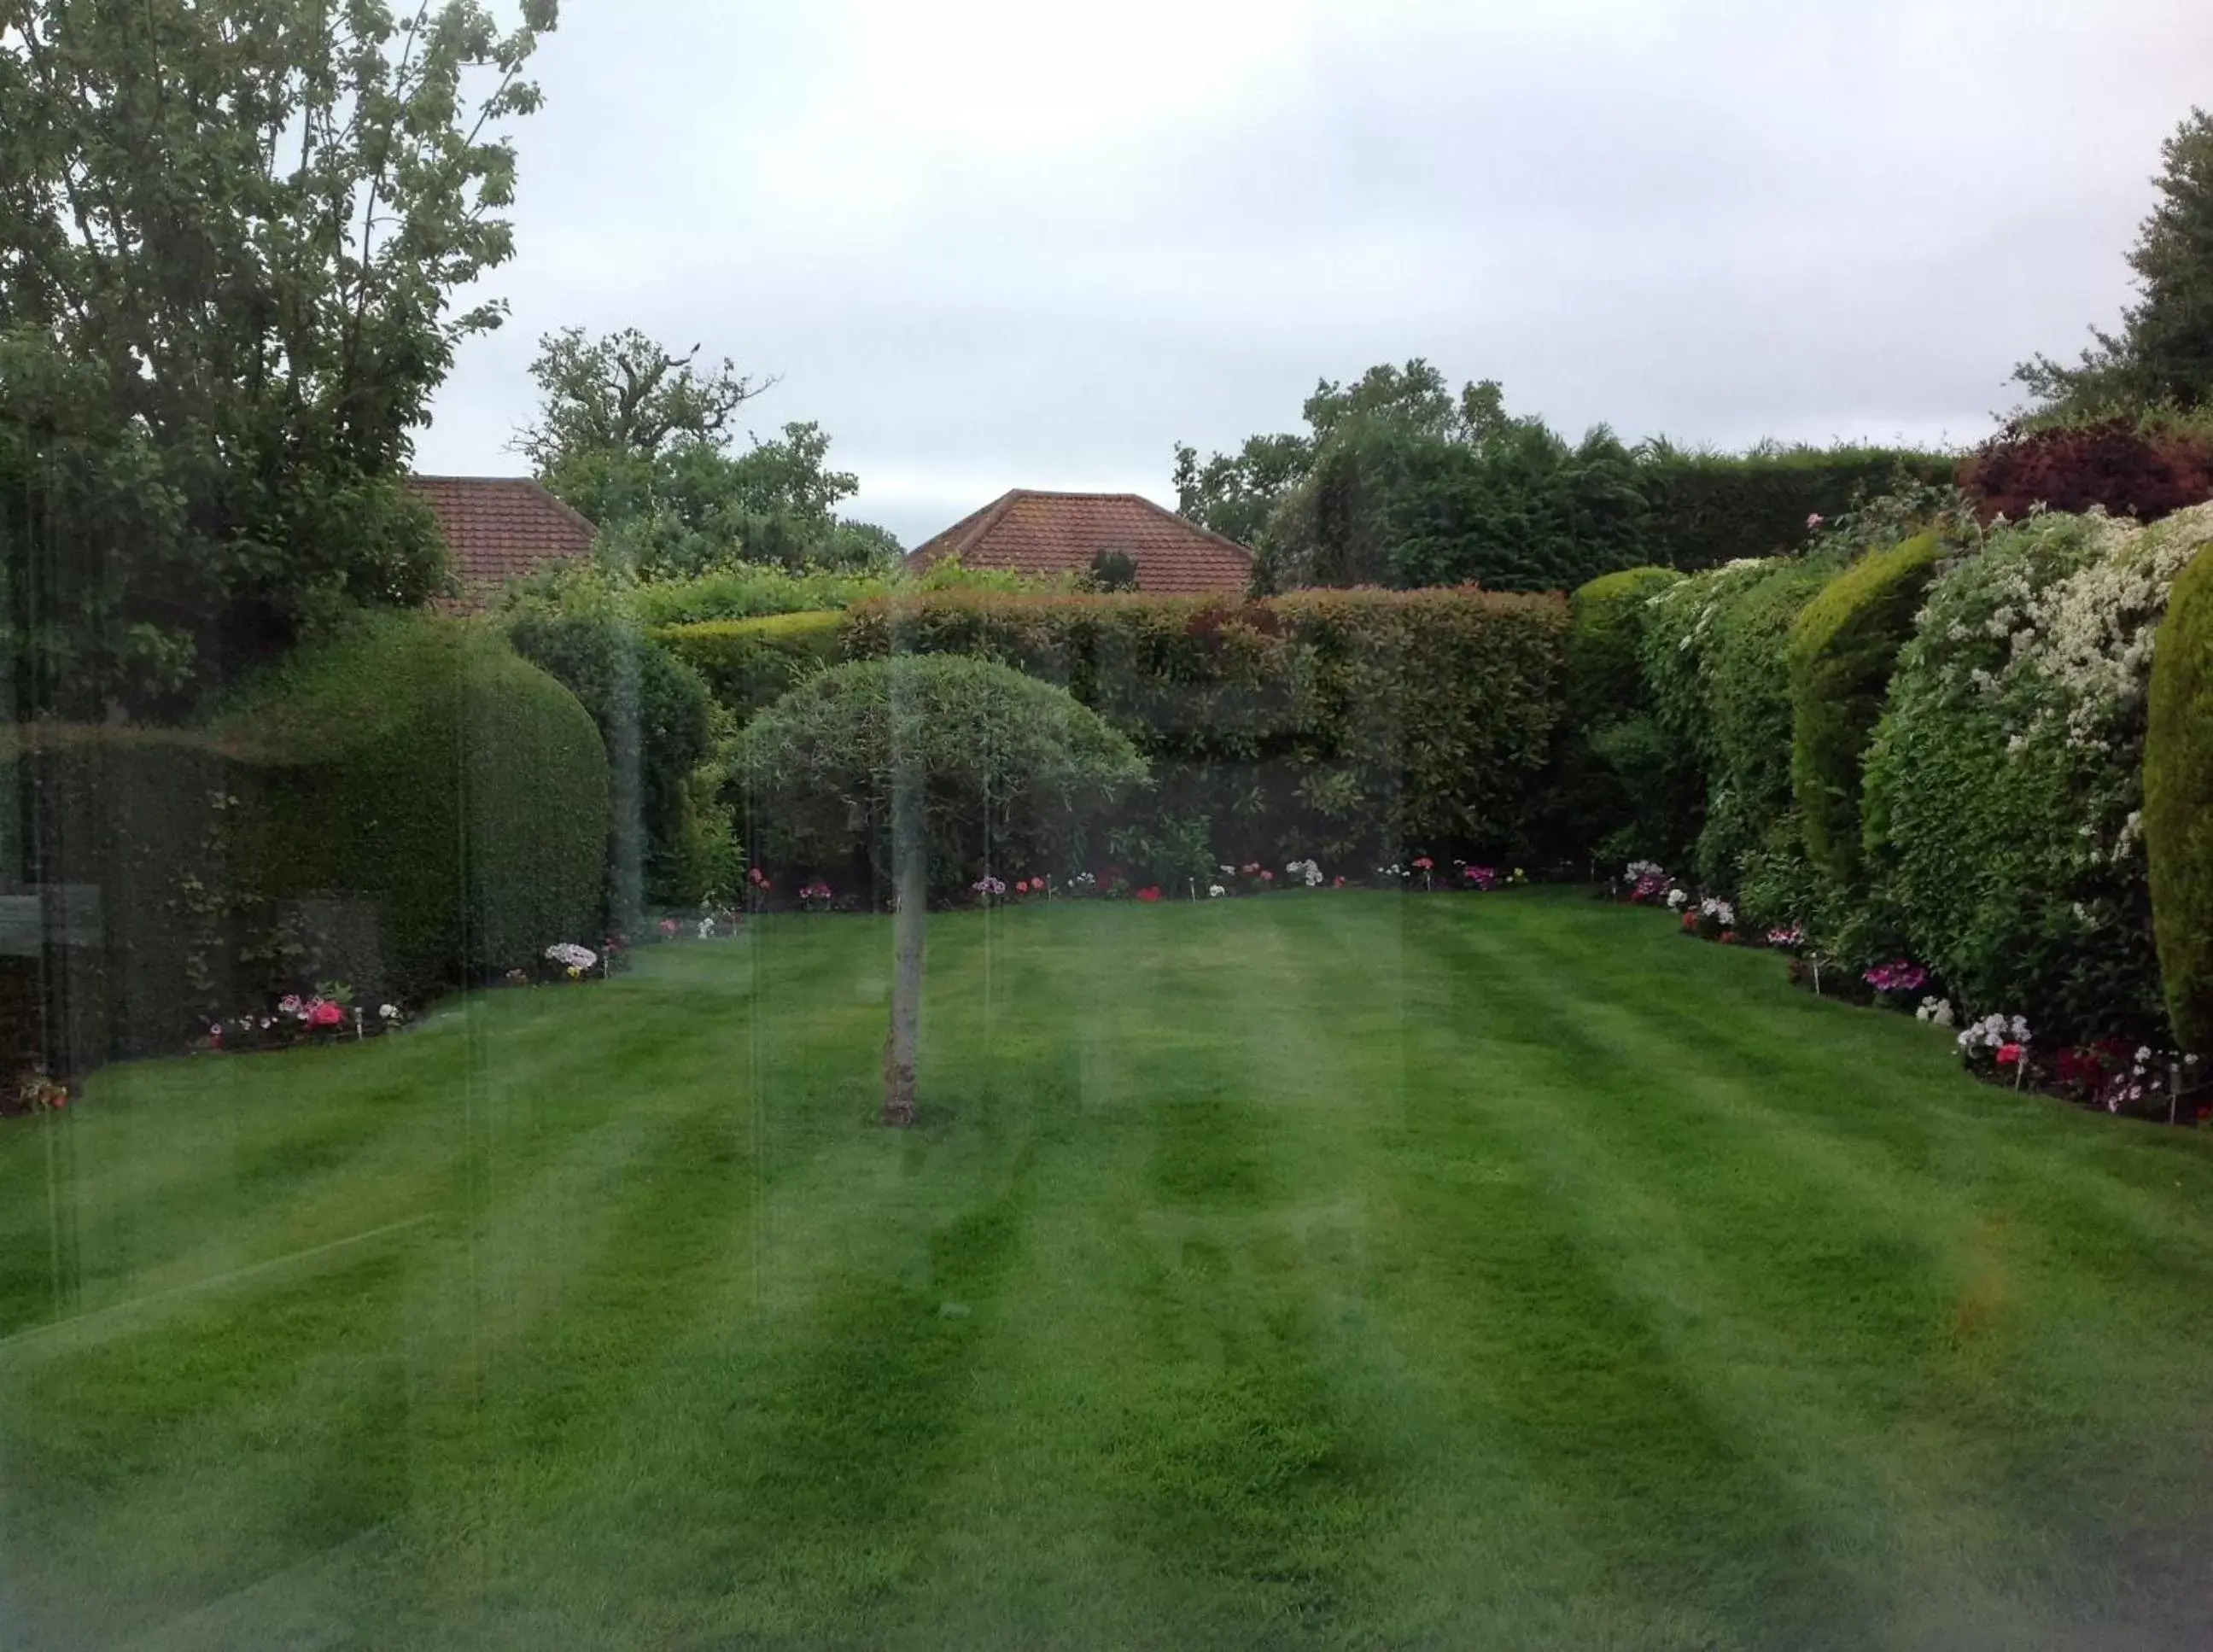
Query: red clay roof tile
(1047, 534)
(500, 527)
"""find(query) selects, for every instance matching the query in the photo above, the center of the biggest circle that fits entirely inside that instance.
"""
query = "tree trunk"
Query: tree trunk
(910, 885)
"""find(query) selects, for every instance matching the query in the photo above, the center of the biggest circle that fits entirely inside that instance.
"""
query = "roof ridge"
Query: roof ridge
(1182, 521)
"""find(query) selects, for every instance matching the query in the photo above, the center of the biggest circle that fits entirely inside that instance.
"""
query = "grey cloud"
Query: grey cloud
(1718, 221)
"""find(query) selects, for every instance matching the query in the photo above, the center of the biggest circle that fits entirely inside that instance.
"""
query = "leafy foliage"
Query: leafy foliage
(1842, 648)
(2179, 802)
(1400, 484)
(653, 711)
(2003, 790)
(419, 769)
(1338, 723)
(230, 242)
(638, 438)
(1623, 790)
(2129, 465)
(1012, 770)
(748, 663)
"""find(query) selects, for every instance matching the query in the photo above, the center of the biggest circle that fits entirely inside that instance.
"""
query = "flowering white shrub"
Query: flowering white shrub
(569, 955)
(1937, 1012)
(1678, 898)
(1720, 910)
(1214, 892)
(1307, 870)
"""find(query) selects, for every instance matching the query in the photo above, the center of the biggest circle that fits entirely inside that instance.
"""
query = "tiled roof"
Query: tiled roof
(1061, 533)
(499, 526)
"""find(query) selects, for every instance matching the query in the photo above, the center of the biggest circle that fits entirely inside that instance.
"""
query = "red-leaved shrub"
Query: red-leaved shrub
(2132, 469)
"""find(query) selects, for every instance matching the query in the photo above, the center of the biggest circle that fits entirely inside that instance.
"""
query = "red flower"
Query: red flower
(1690, 920)
(1728, 938)
(2007, 1054)
(1149, 892)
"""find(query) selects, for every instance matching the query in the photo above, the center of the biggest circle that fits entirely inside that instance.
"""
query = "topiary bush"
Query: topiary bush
(748, 663)
(2179, 803)
(1843, 647)
(420, 770)
(2003, 801)
(1014, 771)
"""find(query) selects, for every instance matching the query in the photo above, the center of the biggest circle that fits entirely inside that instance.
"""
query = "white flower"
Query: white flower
(2144, 1052)
(390, 1012)
(706, 929)
(1229, 871)
(569, 955)
(1678, 898)
(1214, 892)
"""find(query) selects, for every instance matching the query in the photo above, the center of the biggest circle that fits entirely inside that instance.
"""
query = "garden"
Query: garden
(1334, 1268)
(1617, 1053)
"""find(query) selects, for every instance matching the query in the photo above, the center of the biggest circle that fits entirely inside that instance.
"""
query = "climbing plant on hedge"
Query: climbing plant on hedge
(2179, 803)
(1843, 646)
(1012, 772)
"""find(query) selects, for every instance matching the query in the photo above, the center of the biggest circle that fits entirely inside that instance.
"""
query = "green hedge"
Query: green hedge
(655, 714)
(419, 770)
(152, 922)
(1619, 792)
(2179, 803)
(1843, 647)
(1703, 509)
(749, 663)
(2004, 798)
(1337, 723)
(1715, 659)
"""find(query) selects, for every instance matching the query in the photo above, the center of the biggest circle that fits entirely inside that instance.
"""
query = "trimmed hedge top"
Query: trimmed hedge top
(1843, 647)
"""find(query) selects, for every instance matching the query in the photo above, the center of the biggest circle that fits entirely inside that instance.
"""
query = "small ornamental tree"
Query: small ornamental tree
(925, 772)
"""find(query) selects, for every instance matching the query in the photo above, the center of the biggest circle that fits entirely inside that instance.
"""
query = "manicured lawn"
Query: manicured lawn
(1474, 1271)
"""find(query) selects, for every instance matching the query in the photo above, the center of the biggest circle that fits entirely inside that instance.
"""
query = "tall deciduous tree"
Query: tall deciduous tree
(231, 234)
(639, 438)
(2163, 353)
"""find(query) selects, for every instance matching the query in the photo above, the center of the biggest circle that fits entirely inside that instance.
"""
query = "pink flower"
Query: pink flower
(1814, 521)
(1424, 864)
(1149, 892)
(668, 926)
(2009, 1054)
(324, 1013)
(1267, 877)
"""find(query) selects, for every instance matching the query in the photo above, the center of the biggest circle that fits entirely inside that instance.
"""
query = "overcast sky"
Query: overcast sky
(990, 245)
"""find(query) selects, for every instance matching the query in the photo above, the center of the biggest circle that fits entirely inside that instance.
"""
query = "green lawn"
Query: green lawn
(1339, 1269)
